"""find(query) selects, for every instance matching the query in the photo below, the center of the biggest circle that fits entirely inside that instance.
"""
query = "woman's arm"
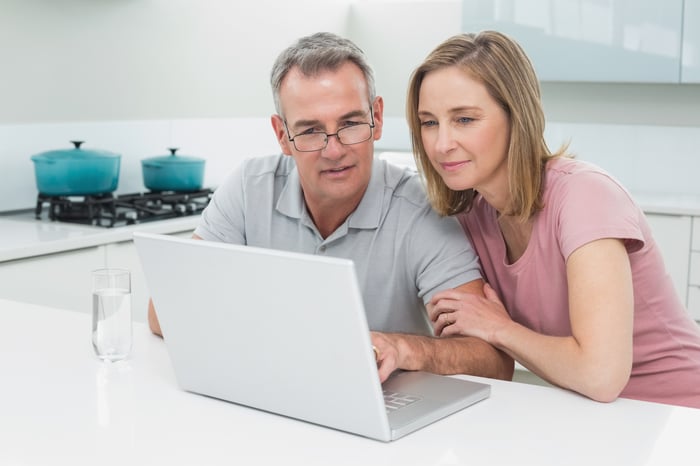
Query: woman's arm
(596, 360)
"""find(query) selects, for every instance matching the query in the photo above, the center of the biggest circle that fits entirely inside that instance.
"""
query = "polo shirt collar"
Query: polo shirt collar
(367, 215)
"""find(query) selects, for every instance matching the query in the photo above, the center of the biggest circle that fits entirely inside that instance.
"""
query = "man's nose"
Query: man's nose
(334, 149)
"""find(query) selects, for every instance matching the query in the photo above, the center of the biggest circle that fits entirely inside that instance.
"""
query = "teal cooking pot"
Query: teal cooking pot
(76, 171)
(173, 172)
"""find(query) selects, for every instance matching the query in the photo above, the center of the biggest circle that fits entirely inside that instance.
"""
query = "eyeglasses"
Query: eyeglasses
(318, 140)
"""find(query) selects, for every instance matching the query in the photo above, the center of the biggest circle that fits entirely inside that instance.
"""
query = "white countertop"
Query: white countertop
(60, 405)
(669, 204)
(25, 236)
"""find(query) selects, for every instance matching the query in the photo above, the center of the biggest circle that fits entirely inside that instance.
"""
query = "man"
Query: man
(327, 195)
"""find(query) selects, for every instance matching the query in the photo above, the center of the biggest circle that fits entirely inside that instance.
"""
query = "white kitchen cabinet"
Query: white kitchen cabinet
(672, 233)
(124, 255)
(585, 40)
(60, 280)
(64, 279)
(690, 51)
(694, 275)
(694, 302)
(678, 237)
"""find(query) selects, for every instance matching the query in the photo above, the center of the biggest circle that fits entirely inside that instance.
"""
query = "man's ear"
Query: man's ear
(378, 110)
(281, 134)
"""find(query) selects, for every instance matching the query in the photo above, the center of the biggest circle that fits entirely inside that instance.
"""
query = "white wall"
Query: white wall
(138, 76)
(77, 60)
(397, 36)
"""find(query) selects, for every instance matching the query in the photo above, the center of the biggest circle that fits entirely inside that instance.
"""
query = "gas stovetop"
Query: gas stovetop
(108, 210)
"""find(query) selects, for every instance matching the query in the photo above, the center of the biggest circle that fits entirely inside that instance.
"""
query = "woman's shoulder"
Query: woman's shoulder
(568, 166)
(569, 174)
(586, 203)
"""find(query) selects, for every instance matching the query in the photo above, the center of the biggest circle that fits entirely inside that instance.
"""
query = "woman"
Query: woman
(578, 290)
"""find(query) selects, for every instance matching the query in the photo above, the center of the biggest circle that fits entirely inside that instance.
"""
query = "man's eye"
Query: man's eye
(309, 131)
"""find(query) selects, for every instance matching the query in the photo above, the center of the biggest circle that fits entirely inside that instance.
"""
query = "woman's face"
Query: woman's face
(465, 132)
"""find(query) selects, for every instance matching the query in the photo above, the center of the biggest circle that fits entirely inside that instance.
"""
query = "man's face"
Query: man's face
(336, 176)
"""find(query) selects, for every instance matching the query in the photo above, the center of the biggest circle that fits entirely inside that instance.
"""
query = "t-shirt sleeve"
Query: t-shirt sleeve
(441, 254)
(223, 219)
(590, 205)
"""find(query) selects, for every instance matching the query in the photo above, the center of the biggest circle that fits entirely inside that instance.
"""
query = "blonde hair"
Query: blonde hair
(505, 70)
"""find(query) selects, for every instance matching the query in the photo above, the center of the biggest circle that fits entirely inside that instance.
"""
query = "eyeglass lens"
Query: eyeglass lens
(347, 136)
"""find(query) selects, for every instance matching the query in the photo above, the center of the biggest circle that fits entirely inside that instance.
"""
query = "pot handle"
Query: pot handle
(77, 144)
(173, 150)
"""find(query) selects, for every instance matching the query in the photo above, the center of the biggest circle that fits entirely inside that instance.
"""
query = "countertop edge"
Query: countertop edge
(99, 237)
(87, 236)
(668, 204)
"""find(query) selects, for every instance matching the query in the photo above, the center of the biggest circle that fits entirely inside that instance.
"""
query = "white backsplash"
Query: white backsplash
(646, 159)
(223, 143)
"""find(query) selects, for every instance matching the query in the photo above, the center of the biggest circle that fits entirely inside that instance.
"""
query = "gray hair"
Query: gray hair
(319, 52)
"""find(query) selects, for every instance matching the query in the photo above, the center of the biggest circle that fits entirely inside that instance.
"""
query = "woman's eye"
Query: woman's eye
(428, 123)
(464, 120)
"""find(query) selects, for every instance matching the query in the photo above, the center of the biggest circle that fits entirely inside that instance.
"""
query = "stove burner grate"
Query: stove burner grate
(107, 210)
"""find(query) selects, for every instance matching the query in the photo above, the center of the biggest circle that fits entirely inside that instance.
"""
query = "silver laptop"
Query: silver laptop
(286, 333)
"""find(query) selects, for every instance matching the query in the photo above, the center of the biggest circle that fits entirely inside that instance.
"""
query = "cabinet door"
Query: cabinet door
(694, 302)
(583, 40)
(690, 58)
(673, 236)
(124, 255)
(694, 276)
(61, 280)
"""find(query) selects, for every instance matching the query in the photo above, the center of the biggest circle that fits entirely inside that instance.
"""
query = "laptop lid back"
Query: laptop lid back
(274, 330)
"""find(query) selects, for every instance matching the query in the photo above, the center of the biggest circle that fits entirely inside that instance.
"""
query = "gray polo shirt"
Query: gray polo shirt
(402, 250)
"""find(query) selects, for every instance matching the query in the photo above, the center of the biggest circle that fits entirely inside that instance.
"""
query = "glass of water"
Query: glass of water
(111, 313)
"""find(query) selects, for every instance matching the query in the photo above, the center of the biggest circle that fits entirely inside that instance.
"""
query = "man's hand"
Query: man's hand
(387, 352)
(153, 323)
(439, 355)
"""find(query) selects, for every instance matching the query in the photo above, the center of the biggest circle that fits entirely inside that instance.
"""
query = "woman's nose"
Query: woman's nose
(445, 140)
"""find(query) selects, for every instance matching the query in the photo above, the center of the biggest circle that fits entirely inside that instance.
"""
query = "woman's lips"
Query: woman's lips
(453, 166)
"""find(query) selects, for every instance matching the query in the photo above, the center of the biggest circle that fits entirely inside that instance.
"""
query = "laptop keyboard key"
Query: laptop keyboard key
(396, 400)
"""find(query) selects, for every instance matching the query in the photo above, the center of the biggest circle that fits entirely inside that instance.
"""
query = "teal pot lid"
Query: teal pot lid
(76, 153)
(174, 158)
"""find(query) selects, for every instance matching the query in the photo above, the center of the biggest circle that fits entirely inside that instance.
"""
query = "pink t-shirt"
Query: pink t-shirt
(582, 204)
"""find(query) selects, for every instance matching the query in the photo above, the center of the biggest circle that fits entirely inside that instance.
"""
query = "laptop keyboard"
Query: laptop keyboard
(396, 400)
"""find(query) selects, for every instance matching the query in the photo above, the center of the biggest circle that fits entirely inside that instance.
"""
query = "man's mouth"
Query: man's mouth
(335, 171)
